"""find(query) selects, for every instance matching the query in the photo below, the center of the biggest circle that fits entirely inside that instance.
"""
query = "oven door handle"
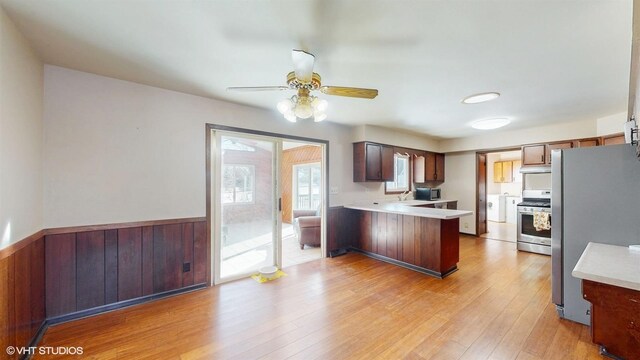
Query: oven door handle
(530, 213)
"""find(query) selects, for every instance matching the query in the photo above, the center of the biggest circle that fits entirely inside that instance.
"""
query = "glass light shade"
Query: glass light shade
(284, 106)
(289, 115)
(319, 116)
(303, 110)
(321, 105)
(490, 124)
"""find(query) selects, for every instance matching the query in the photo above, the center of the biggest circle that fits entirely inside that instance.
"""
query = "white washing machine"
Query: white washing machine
(496, 208)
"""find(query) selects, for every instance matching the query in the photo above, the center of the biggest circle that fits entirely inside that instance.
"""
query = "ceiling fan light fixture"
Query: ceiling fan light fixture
(490, 124)
(482, 97)
(285, 106)
(303, 110)
(319, 116)
(319, 104)
(290, 116)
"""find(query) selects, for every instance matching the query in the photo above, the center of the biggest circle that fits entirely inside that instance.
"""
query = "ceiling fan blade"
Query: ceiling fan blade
(257, 88)
(349, 91)
(303, 65)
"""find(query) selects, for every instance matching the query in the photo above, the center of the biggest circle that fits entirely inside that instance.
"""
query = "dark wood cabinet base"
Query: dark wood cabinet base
(428, 245)
(615, 318)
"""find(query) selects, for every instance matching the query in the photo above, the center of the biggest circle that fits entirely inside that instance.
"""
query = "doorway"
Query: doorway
(247, 196)
(499, 189)
(302, 194)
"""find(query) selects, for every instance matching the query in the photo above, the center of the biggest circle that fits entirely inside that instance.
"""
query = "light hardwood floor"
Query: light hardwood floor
(497, 306)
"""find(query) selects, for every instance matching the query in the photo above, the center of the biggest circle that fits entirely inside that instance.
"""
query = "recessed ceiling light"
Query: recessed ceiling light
(478, 98)
(490, 124)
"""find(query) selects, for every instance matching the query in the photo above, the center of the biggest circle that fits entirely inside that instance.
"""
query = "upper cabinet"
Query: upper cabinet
(540, 154)
(534, 155)
(616, 139)
(372, 162)
(375, 162)
(503, 171)
(587, 142)
(556, 146)
(434, 167)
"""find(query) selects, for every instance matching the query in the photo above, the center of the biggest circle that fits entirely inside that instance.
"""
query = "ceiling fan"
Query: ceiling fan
(304, 105)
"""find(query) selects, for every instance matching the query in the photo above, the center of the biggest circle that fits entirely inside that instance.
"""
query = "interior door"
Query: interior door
(246, 204)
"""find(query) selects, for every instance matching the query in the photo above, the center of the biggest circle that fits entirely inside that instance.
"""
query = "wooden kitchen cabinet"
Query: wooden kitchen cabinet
(534, 155)
(434, 167)
(372, 162)
(503, 171)
(556, 146)
(613, 139)
(587, 142)
(615, 318)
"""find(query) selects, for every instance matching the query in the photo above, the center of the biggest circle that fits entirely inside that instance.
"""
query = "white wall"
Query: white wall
(395, 137)
(460, 184)
(20, 136)
(516, 138)
(117, 151)
(611, 124)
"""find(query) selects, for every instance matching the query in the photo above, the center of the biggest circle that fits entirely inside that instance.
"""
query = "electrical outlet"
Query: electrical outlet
(186, 267)
(465, 225)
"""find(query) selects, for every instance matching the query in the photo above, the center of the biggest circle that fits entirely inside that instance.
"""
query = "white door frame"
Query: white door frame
(216, 202)
(214, 190)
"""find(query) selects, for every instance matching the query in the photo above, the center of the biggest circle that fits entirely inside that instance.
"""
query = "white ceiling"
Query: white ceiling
(553, 61)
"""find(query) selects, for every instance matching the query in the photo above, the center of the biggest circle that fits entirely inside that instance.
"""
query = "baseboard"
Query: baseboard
(121, 304)
(406, 265)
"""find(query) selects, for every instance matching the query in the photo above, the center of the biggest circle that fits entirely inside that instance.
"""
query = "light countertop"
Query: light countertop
(609, 264)
(409, 207)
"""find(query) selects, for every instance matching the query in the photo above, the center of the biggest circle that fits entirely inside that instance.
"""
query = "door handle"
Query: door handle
(279, 204)
(542, 158)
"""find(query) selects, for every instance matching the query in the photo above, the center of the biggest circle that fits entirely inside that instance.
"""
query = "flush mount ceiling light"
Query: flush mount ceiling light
(490, 124)
(478, 98)
(303, 106)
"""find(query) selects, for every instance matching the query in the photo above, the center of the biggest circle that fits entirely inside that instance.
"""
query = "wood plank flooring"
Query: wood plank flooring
(497, 306)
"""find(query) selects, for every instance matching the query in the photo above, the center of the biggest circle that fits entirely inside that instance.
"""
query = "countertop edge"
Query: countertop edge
(606, 280)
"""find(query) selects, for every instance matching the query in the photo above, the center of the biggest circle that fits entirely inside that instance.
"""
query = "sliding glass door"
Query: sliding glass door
(246, 203)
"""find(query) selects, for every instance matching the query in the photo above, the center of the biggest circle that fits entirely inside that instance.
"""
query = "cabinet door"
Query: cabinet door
(497, 172)
(430, 167)
(533, 155)
(439, 167)
(507, 171)
(556, 146)
(387, 163)
(613, 140)
(373, 159)
(587, 142)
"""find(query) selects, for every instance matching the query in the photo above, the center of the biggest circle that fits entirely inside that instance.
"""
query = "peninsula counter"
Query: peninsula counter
(419, 238)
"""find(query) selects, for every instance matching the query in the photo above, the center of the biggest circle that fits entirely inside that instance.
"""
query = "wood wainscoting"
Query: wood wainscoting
(22, 287)
(91, 269)
(60, 274)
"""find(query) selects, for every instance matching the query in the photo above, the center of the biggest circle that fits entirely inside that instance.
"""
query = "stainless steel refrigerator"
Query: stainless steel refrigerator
(595, 197)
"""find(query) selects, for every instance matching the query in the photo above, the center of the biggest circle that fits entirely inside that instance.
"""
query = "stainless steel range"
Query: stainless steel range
(530, 239)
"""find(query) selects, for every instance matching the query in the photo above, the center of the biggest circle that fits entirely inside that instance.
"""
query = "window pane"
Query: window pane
(401, 174)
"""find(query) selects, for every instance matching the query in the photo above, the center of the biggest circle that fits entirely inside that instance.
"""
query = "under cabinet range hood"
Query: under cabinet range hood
(535, 169)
